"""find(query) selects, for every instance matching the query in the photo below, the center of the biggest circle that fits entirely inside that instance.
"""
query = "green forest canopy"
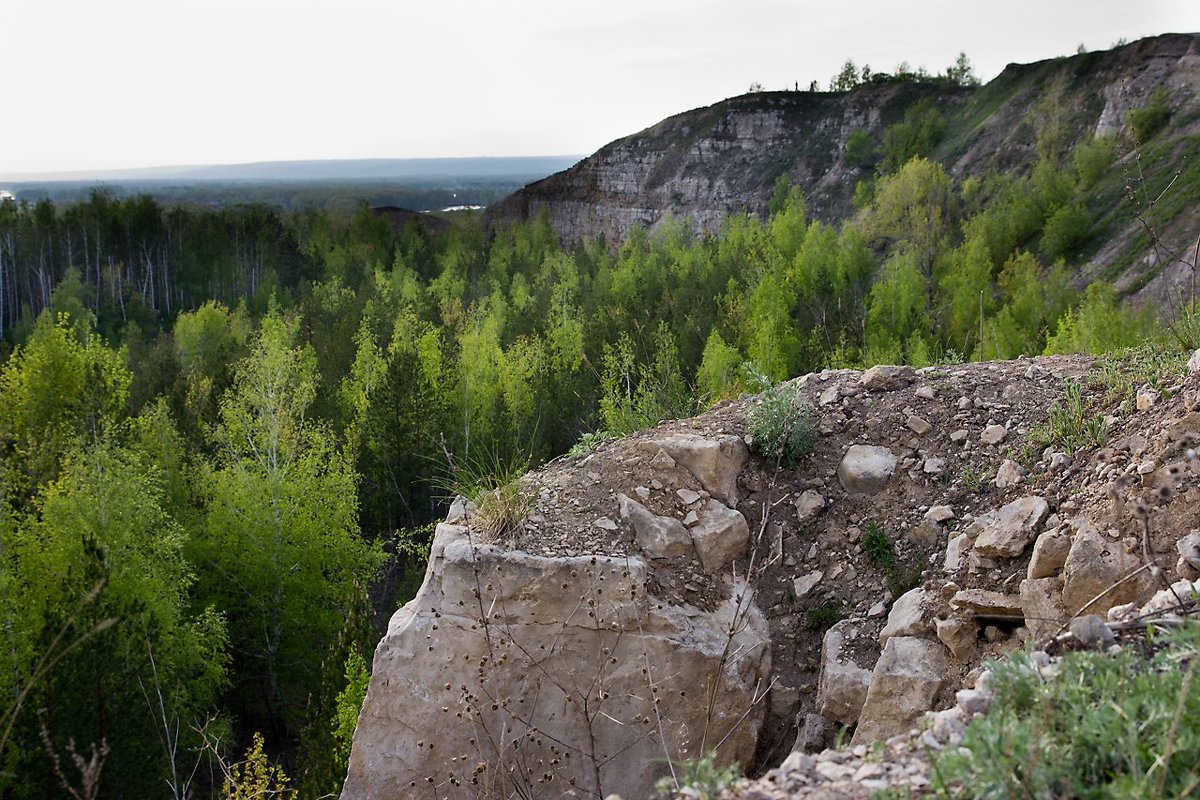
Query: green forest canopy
(222, 432)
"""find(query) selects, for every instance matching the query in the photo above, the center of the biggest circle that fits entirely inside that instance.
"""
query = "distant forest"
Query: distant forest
(224, 432)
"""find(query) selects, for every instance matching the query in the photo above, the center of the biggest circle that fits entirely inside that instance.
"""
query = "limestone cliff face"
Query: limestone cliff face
(719, 160)
(724, 159)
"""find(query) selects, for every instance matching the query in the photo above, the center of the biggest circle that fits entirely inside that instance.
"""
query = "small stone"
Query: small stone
(642, 492)
(925, 392)
(917, 425)
(959, 635)
(924, 534)
(886, 377)
(1145, 400)
(604, 523)
(1009, 474)
(993, 434)
(687, 496)
(691, 518)
(1092, 631)
(662, 461)
(973, 701)
(959, 436)
(809, 505)
(934, 466)
(940, 514)
(828, 397)
(865, 469)
(806, 583)
(955, 549)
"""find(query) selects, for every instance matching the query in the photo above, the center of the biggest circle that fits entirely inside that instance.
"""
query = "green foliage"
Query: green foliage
(961, 73)
(779, 424)
(279, 540)
(915, 137)
(1150, 118)
(824, 616)
(637, 393)
(1065, 230)
(1105, 725)
(1093, 159)
(860, 150)
(880, 552)
(1099, 325)
(62, 388)
(1123, 372)
(720, 375)
(1068, 425)
(878, 547)
(256, 778)
(493, 485)
(349, 703)
(846, 79)
(700, 779)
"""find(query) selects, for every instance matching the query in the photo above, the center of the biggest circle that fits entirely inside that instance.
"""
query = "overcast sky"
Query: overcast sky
(98, 84)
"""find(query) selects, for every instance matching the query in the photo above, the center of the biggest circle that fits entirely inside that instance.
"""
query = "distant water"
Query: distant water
(462, 208)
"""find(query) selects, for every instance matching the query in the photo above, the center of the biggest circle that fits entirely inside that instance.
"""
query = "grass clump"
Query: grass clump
(780, 426)
(588, 443)
(1105, 726)
(880, 552)
(1068, 425)
(700, 779)
(493, 485)
(824, 616)
(877, 547)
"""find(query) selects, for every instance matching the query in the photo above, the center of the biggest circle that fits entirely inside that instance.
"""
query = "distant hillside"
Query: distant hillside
(418, 184)
(726, 158)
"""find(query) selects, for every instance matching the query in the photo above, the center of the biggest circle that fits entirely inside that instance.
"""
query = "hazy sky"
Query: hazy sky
(92, 84)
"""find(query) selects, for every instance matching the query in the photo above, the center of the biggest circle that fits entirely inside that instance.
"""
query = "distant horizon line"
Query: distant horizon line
(175, 171)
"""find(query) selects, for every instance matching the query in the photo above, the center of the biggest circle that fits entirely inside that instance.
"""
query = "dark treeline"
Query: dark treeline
(222, 432)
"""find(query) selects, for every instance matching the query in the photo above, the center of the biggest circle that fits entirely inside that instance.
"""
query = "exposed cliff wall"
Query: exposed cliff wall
(725, 158)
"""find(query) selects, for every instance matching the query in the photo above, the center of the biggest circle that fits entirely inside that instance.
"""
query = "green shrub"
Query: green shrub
(1065, 230)
(1092, 159)
(1150, 118)
(780, 427)
(1105, 726)
(860, 150)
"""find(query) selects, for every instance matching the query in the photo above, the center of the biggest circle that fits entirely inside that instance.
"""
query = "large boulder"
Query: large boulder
(719, 536)
(1008, 530)
(907, 617)
(1095, 572)
(842, 687)
(716, 463)
(1042, 605)
(506, 662)
(659, 537)
(887, 377)
(866, 469)
(909, 674)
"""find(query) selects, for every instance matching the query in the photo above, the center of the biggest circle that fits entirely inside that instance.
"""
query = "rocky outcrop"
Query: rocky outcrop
(605, 617)
(511, 673)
